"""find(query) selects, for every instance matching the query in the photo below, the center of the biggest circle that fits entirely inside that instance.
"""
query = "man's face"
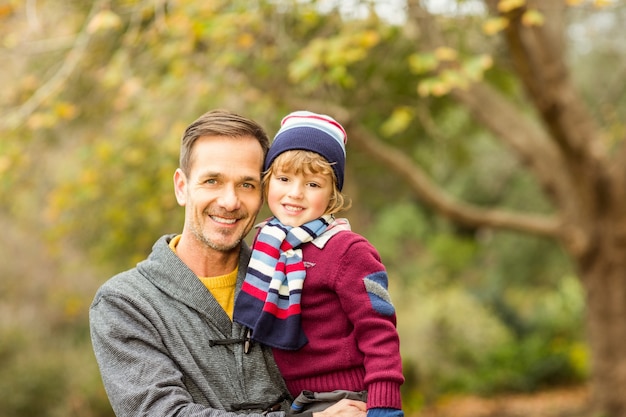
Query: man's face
(222, 193)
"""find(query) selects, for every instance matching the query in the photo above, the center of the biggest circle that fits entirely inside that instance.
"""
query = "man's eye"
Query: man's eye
(248, 185)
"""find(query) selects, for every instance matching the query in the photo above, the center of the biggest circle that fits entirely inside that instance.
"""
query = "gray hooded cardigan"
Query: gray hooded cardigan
(162, 344)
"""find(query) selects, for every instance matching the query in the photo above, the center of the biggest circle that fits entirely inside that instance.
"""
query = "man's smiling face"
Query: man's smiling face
(222, 193)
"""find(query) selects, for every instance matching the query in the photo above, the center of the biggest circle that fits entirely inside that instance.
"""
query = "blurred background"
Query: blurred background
(444, 130)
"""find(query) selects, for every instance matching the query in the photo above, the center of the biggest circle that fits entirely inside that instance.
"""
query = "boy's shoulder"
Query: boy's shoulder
(337, 239)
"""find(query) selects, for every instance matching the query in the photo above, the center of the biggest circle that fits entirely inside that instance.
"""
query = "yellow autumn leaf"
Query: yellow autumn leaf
(445, 54)
(495, 25)
(398, 121)
(245, 40)
(6, 10)
(532, 17)
(573, 2)
(422, 63)
(441, 88)
(369, 38)
(423, 88)
(66, 111)
(505, 6)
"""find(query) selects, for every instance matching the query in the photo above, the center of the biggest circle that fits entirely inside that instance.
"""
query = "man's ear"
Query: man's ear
(180, 187)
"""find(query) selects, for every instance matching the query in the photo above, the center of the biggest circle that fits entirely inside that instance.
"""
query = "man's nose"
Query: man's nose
(229, 199)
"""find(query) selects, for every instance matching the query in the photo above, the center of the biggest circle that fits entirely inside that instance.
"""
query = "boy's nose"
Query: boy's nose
(295, 191)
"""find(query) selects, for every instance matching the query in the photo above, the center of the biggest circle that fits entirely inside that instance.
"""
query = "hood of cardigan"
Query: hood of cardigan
(166, 271)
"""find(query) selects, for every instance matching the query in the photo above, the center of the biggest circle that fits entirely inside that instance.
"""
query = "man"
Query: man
(162, 332)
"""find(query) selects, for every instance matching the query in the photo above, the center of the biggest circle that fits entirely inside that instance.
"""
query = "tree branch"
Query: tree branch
(56, 82)
(528, 141)
(538, 57)
(436, 198)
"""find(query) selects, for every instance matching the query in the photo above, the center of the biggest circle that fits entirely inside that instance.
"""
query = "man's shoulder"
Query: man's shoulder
(132, 280)
(123, 283)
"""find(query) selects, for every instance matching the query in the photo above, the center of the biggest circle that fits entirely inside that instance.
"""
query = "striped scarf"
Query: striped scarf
(269, 300)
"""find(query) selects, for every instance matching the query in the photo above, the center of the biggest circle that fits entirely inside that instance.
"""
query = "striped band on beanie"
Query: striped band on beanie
(319, 133)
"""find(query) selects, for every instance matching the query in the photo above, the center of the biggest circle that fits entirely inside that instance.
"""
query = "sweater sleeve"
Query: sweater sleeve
(362, 286)
(138, 374)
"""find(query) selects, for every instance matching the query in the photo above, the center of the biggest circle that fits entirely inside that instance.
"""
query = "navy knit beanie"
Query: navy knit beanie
(313, 132)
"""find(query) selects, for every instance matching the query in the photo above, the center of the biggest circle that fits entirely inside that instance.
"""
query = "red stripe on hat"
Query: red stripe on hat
(318, 117)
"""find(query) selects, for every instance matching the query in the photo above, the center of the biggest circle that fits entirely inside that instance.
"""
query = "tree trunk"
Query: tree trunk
(604, 279)
(562, 146)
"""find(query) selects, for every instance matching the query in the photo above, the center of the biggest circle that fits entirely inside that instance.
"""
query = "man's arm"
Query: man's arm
(138, 371)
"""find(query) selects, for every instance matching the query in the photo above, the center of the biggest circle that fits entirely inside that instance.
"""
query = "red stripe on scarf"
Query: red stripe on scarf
(267, 249)
(253, 291)
(281, 313)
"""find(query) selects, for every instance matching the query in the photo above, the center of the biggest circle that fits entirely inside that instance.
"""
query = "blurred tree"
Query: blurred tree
(519, 88)
(113, 84)
(539, 114)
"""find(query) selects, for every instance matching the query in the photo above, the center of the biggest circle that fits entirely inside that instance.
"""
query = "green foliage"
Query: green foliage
(48, 378)
(468, 319)
(128, 183)
(333, 56)
(454, 253)
(439, 340)
(452, 343)
(526, 366)
(398, 226)
(91, 167)
(22, 382)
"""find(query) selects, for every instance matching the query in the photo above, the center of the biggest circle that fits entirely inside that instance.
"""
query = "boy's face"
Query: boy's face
(298, 198)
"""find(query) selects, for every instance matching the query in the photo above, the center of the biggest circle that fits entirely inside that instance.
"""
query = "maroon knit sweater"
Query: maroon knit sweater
(353, 342)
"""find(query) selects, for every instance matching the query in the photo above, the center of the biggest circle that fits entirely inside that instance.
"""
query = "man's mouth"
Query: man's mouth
(223, 220)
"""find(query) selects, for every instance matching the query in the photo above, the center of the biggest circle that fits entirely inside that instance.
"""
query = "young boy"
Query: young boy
(315, 291)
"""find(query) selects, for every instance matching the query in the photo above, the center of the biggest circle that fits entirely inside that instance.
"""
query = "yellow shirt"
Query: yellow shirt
(222, 287)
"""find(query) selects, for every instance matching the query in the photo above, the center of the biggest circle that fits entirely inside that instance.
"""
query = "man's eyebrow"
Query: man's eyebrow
(249, 178)
(209, 174)
(218, 175)
(208, 171)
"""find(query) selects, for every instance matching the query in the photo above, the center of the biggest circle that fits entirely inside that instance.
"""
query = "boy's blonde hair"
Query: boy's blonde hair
(306, 162)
